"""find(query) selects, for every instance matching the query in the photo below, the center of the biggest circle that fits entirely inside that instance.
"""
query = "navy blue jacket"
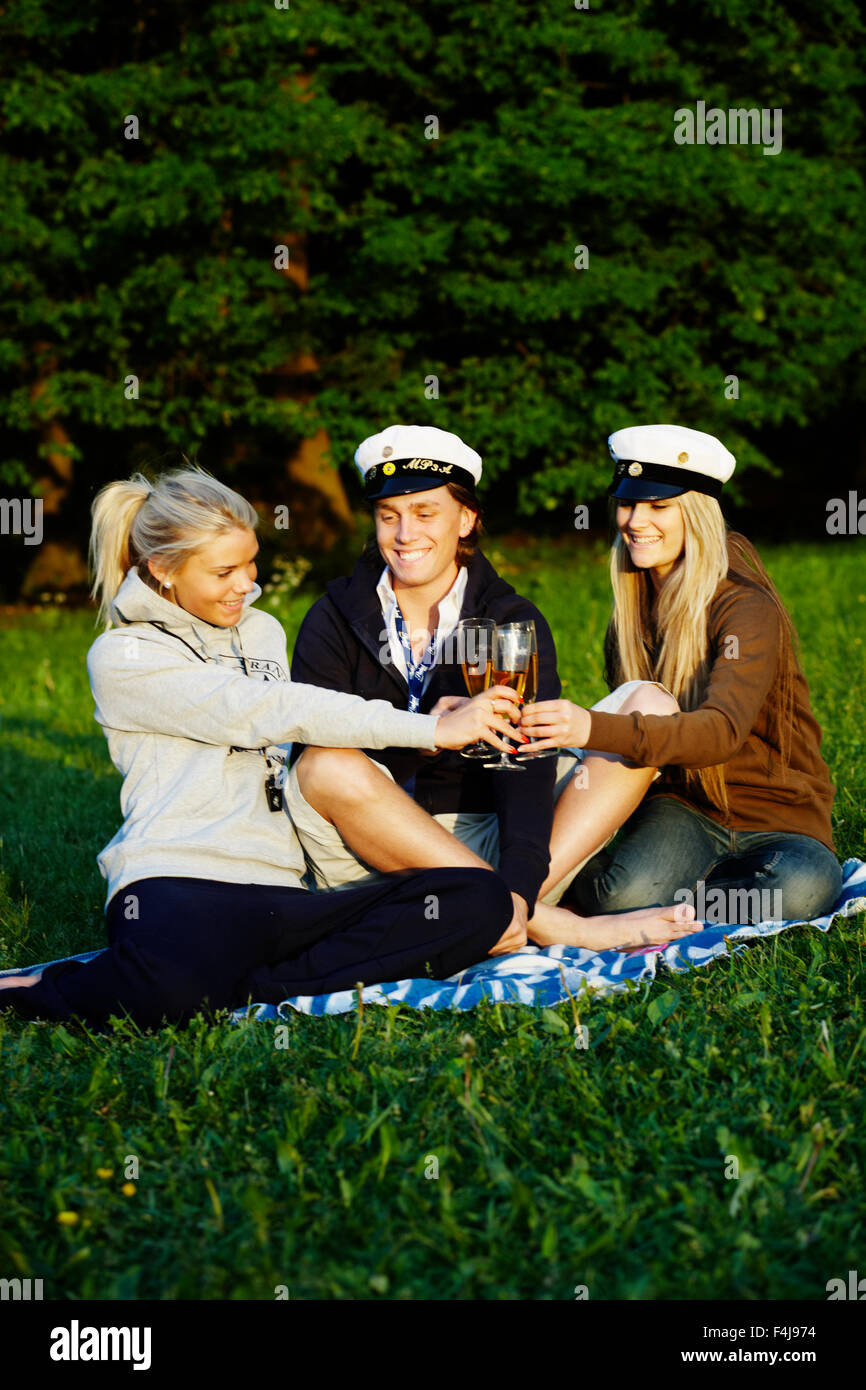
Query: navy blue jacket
(343, 645)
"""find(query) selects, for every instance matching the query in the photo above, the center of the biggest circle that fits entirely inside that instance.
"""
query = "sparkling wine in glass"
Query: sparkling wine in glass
(475, 654)
(530, 690)
(512, 657)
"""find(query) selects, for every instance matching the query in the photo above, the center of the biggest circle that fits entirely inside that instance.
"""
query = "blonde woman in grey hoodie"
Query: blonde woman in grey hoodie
(204, 905)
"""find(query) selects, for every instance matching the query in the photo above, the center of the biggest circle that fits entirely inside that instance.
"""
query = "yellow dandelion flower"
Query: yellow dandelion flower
(67, 1218)
(128, 1189)
(104, 1172)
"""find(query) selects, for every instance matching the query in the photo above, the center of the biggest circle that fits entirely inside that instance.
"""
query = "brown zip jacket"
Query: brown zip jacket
(733, 726)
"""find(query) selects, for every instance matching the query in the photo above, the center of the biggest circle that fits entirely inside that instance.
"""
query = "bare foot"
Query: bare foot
(612, 931)
(19, 981)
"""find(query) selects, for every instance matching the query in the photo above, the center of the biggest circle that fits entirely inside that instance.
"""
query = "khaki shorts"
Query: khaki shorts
(331, 864)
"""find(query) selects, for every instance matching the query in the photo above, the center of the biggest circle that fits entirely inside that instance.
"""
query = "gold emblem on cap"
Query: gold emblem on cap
(635, 470)
(387, 451)
(682, 458)
(389, 468)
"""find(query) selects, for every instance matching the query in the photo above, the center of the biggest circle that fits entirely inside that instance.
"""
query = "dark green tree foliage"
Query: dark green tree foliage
(154, 256)
(449, 257)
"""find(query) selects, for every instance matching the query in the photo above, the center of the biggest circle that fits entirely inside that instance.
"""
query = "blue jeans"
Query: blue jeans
(668, 852)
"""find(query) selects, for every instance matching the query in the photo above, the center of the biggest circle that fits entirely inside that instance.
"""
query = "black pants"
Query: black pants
(181, 944)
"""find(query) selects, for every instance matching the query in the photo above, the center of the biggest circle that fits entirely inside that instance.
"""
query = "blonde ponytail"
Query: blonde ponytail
(114, 510)
(135, 520)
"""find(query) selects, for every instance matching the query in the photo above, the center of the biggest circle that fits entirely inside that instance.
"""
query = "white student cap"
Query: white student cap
(413, 458)
(655, 461)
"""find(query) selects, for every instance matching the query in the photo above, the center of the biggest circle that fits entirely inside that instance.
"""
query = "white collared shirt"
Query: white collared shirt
(449, 616)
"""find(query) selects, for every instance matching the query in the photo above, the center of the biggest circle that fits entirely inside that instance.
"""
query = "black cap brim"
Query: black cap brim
(637, 490)
(636, 480)
(401, 487)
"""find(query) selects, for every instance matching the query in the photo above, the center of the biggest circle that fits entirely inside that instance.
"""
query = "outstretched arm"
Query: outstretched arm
(148, 688)
(743, 671)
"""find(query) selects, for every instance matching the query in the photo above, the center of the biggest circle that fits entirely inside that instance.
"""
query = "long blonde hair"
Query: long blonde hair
(135, 520)
(665, 639)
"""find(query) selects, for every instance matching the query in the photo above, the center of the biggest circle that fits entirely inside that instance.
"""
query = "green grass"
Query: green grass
(304, 1165)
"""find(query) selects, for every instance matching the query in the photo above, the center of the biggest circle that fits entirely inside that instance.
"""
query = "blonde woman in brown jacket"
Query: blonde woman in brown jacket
(721, 791)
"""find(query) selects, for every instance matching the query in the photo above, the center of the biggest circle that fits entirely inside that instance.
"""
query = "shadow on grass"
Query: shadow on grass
(55, 819)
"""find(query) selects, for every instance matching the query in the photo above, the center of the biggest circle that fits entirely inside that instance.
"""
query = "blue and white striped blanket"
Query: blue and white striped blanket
(535, 976)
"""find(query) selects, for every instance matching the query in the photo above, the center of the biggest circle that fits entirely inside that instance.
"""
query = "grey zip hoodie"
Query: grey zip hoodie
(196, 716)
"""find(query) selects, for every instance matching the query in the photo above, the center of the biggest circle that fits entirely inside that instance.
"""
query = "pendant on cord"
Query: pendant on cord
(274, 793)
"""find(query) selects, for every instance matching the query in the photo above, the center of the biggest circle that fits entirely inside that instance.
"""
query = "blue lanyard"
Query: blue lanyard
(416, 671)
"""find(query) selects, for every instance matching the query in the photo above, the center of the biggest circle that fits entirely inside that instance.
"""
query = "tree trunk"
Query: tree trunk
(318, 499)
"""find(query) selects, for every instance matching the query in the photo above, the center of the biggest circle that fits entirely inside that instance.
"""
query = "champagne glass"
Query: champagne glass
(475, 654)
(530, 690)
(512, 657)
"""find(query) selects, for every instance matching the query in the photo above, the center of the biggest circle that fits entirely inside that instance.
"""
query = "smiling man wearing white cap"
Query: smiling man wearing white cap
(382, 632)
